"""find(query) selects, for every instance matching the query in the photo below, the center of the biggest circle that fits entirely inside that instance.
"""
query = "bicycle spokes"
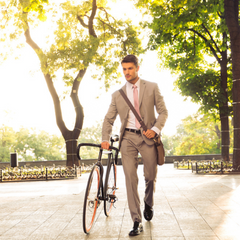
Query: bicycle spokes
(110, 185)
(91, 201)
(95, 192)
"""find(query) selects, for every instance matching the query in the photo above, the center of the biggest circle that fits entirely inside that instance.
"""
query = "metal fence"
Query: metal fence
(206, 166)
(10, 174)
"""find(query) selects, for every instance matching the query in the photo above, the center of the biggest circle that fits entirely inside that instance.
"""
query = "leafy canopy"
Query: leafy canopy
(70, 44)
(191, 37)
(197, 134)
(30, 145)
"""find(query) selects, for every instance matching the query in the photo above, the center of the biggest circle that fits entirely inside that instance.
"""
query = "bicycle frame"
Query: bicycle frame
(101, 192)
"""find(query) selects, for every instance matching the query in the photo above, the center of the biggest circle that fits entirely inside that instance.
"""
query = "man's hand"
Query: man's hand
(105, 145)
(149, 133)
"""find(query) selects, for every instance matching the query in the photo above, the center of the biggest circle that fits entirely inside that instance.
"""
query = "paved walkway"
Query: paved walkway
(187, 206)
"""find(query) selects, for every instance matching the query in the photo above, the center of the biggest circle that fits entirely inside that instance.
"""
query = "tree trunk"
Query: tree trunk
(218, 132)
(224, 134)
(231, 14)
(70, 137)
(224, 108)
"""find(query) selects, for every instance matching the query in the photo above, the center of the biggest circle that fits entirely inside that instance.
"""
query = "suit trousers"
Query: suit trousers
(131, 145)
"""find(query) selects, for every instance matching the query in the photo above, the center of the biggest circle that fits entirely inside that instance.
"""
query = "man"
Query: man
(144, 96)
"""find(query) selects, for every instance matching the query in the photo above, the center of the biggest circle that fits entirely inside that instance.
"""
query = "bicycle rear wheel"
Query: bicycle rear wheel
(91, 201)
(110, 189)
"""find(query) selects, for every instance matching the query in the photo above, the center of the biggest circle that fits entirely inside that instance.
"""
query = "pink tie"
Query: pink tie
(136, 105)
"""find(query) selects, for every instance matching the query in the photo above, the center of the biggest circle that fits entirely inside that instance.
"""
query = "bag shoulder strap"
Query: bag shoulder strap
(133, 110)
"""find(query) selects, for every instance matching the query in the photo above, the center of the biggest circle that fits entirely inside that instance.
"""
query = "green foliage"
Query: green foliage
(47, 147)
(35, 6)
(75, 49)
(30, 145)
(200, 138)
(70, 43)
(38, 146)
(191, 37)
(92, 135)
(7, 142)
(75, 35)
(198, 134)
(204, 88)
(170, 144)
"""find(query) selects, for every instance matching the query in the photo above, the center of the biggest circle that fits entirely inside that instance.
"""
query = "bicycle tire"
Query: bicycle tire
(110, 188)
(91, 201)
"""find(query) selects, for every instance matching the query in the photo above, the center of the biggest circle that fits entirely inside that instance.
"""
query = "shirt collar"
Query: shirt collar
(129, 85)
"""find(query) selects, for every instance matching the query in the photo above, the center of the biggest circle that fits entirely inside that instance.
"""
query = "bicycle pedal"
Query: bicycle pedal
(98, 204)
(112, 196)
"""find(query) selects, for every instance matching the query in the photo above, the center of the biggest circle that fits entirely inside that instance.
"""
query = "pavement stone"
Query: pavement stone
(187, 207)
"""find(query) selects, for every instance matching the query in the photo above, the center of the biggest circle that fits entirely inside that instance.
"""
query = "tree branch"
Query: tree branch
(90, 23)
(82, 22)
(209, 34)
(107, 14)
(51, 88)
(29, 40)
(207, 42)
(104, 23)
(78, 107)
(221, 16)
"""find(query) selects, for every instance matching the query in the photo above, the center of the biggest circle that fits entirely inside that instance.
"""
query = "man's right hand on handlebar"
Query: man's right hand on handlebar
(105, 145)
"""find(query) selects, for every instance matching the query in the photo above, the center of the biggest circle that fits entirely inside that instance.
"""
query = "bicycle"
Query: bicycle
(95, 190)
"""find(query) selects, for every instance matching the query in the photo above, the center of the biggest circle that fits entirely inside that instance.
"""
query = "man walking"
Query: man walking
(144, 96)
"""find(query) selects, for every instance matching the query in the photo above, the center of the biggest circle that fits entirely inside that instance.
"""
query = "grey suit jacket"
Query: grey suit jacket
(149, 97)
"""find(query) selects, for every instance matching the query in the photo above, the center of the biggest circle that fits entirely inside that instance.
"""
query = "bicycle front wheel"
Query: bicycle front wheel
(91, 201)
(110, 189)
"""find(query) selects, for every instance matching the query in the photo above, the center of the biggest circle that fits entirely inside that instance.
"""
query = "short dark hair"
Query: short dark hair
(130, 58)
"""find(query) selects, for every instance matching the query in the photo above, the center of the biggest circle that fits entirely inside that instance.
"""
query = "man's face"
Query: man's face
(130, 72)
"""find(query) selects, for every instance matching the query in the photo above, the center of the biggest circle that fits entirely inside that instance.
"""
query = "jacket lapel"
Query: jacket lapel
(124, 88)
(142, 89)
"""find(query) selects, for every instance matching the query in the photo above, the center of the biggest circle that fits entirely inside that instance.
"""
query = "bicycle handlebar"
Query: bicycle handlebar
(93, 145)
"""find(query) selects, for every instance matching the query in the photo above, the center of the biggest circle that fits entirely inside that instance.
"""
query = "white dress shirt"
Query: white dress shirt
(131, 116)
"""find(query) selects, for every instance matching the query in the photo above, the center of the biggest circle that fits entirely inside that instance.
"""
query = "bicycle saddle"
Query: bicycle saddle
(114, 138)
